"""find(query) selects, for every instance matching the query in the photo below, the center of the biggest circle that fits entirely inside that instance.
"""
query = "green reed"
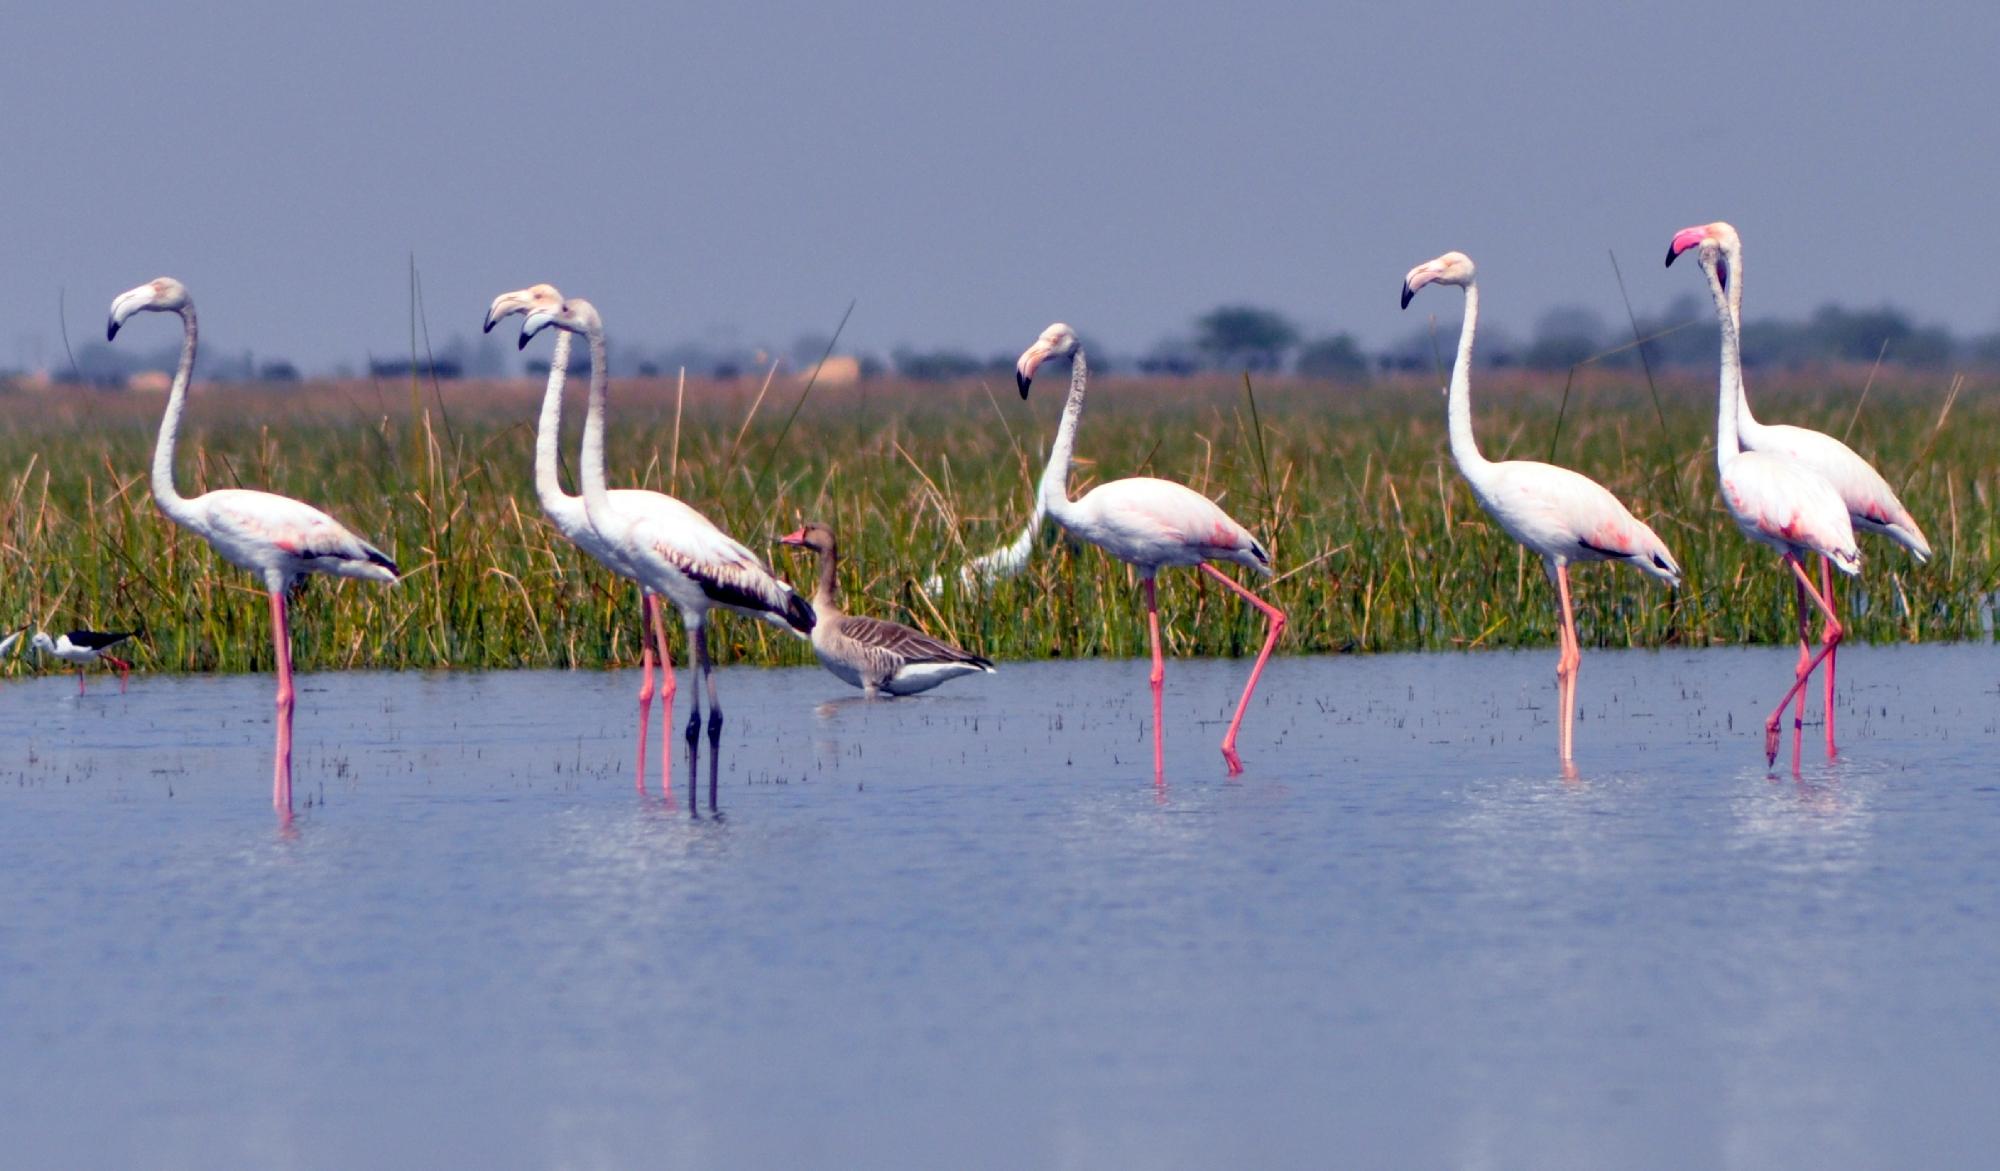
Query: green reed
(1378, 544)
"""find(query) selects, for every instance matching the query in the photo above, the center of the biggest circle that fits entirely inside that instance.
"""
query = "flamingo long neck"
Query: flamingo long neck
(596, 497)
(1729, 391)
(1054, 495)
(548, 433)
(1464, 447)
(1746, 422)
(169, 499)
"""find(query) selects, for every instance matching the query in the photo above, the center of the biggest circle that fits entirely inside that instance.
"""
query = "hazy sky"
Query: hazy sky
(969, 173)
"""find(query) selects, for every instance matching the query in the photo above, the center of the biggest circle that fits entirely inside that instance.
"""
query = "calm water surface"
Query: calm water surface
(967, 930)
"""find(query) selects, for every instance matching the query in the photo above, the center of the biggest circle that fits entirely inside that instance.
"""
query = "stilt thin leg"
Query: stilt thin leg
(124, 671)
(1832, 658)
(281, 646)
(1158, 680)
(1569, 662)
(667, 687)
(645, 685)
(79, 681)
(1275, 626)
(1829, 638)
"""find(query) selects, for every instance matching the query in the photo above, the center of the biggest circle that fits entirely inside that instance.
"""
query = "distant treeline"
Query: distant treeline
(1228, 338)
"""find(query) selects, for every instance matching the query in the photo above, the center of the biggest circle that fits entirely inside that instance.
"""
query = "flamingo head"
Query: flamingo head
(575, 315)
(521, 301)
(811, 535)
(1057, 341)
(162, 294)
(1453, 268)
(1716, 242)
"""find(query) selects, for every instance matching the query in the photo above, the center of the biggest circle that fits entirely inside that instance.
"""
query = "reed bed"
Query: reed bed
(1379, 546)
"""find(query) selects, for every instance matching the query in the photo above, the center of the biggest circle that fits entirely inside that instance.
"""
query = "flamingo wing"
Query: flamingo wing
(727, 573)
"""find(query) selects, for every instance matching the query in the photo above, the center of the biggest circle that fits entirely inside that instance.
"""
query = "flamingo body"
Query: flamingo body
(1566, 517)
(1790, 508)
(1154, 524)
(277, 536)
(1871, 504)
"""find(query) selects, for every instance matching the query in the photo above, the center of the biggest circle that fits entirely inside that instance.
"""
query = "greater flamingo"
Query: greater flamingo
(681, 556)
(82, 648)
(1872, 506)
(274, 536)
(567, 513)
(1149, 524)
(1774, 500)
(874, 654)
(1562, 515)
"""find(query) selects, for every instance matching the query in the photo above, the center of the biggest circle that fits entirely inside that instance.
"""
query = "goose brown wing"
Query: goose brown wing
(912, 646)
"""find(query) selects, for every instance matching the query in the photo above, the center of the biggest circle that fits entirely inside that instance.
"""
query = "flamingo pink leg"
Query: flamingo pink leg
(1569, 661)
(1826, 588)
(1829, 638)
(1277, 621)
(667, 688)
(1158, 679)
(645, 686)
(281, 767)
(1805, 651)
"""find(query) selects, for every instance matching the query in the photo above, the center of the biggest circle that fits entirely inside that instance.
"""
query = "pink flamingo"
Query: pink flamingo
(676, 553)
(1872, 506)
(1560, 514)
(1149, 524)
(275, 536)
(1776, 501)
(567, 513)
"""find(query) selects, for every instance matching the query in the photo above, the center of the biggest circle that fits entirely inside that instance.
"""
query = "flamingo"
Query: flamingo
(1150, 525)
(1872, 505)
(567, 513)
(874, 654)
(81, 648)
(1774, 500)
(1563, 516)
(679, 554)
(274, 536)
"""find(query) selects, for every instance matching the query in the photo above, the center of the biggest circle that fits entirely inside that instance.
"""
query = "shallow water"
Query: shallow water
(965, 929)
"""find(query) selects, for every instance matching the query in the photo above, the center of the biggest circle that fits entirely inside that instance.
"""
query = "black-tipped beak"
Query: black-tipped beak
(111, 329)
(1408, 292)
(1021, 380)
(490, 323)
(523, 343)
(1670, 255)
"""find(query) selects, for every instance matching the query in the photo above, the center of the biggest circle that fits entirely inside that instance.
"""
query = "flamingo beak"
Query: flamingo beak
(537, 321)
(124, 306)
(1419, 276)
(1031, 361)
(1683, 240)
(502, 307)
